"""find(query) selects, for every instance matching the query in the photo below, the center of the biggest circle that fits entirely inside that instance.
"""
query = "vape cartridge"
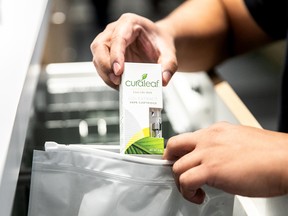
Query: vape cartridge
(155, 123)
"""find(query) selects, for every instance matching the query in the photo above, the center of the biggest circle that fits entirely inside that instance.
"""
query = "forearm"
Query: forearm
(207, 32)
(277, 162)
(199, 28)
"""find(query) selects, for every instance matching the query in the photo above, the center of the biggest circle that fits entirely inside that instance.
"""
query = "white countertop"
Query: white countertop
(22, 31)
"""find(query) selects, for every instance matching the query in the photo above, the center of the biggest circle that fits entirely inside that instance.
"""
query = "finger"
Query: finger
(190, 183)
(185, 163)
(166, 76)
(103, 67)
(123, 35)
(101, 58)
(169, 64)
(116, 80)
(179, 145)
(106, 73)
(196, 197)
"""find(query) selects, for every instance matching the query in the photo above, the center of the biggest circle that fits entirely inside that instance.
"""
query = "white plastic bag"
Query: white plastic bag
(79, 180)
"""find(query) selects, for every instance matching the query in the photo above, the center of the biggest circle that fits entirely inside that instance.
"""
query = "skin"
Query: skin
(237, 159)
(219, 156)
(133, 39)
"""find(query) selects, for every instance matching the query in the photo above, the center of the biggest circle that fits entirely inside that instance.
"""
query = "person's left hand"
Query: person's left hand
(237, 159)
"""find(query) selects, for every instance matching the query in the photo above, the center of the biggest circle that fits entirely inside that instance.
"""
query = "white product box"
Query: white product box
(141, 103)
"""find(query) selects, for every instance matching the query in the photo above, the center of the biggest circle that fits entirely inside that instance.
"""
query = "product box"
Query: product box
(141, 103)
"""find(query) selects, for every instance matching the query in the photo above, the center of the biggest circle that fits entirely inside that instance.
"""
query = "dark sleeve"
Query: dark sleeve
(271, 16)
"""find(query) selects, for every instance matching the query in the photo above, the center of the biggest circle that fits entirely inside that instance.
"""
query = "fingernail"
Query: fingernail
(116, 68)
(166, 77)
(192, 193)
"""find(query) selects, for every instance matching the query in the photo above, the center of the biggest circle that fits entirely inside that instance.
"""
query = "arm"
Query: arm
(206, 32)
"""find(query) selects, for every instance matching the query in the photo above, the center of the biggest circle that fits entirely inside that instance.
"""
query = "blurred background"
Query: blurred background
(75, 23)
(66, 100)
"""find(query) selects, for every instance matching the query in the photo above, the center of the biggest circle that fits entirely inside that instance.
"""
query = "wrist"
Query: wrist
(166, 26)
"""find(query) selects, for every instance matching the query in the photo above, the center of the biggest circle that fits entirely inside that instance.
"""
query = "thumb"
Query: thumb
(169, 67)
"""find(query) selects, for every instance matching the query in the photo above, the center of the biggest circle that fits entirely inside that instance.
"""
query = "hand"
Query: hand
(237, 159)
(132, 39)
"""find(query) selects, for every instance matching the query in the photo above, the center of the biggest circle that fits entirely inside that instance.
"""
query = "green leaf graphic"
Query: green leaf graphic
(147, 145)
(144, 76)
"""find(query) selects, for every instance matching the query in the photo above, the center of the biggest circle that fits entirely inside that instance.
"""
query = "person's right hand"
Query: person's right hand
(133, 38)
(237, 159)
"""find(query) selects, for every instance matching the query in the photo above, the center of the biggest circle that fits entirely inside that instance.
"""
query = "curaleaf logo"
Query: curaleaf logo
(142, 82)
(144, 76)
